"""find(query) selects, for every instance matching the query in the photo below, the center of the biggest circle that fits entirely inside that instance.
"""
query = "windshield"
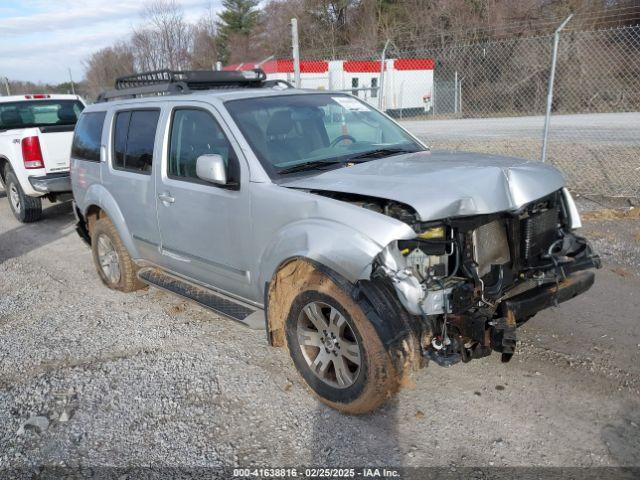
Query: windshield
(39, 113)
(298, 132)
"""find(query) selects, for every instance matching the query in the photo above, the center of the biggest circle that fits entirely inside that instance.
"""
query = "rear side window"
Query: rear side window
(87, 137)
(133, 140)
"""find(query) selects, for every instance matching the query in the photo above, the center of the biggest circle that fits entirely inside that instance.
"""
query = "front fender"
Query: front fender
(335, 245)
(99, 196)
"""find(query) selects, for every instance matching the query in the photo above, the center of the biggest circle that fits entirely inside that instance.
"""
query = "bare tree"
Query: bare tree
(165, 40)
(205, 46)
(104, 66)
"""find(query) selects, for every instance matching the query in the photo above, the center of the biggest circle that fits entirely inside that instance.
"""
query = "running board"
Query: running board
(207, 298)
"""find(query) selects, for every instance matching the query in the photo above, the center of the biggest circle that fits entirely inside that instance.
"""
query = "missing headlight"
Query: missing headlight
(428, 255)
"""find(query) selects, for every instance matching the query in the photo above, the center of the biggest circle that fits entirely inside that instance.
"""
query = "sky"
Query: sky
(41, 39)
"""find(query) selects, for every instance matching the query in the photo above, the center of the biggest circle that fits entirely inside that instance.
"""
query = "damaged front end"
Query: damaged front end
(473, 280)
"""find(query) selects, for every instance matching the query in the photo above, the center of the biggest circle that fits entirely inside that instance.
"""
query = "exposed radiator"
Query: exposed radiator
(539, 231)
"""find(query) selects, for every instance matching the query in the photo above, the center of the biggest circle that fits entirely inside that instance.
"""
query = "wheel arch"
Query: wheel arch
(98, 202)
(4, 161)
(399, 332)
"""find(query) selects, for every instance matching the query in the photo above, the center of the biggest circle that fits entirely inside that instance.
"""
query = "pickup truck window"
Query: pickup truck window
(133, 140)
(39, 113)
(195, 132)
(87, 136)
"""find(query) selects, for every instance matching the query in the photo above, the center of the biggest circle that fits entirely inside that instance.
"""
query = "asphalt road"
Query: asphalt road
(147, 379)
(621, 129)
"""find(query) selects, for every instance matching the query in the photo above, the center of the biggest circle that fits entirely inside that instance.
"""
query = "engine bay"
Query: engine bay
(467, 277)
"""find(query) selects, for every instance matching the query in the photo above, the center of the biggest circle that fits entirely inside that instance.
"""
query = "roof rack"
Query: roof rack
(171, 82)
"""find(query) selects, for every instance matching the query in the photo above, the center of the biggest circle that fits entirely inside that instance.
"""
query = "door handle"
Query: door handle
(166, 198)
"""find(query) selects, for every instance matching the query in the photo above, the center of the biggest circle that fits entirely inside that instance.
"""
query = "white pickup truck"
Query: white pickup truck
(35, 143)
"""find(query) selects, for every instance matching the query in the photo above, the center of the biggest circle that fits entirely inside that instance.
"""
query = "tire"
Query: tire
(26, 209)
(111, 258)
(366, 385)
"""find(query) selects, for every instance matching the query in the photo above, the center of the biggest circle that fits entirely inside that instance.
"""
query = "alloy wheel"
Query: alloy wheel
(108, 258)
(329, 345)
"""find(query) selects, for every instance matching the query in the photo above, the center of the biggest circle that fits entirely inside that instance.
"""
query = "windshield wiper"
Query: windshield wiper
(319, 164)
(315, 164)
(380, 152)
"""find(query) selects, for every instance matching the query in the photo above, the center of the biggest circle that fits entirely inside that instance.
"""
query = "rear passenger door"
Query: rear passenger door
(205, 228)
(132, 158)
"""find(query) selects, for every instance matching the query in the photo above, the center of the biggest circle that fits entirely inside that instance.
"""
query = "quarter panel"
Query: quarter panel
(98, 195)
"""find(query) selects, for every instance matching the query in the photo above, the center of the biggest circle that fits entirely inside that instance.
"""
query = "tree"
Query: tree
(107, 64)
(166, 39)
(236, 24)
(205, 42)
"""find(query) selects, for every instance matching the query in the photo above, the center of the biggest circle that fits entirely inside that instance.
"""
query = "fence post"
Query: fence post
(455, 92)
(383, 59)
(433, 97)
(554, 59)
(296, 51)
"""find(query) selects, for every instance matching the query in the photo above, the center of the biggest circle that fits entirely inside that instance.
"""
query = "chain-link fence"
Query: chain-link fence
(491, 97)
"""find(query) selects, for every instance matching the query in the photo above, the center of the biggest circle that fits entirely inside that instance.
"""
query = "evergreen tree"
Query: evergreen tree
(239, 18)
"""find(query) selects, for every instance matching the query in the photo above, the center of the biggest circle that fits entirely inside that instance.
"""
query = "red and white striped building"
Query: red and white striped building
(408, 82)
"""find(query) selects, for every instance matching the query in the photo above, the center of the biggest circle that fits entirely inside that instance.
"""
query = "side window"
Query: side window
(87, 137)
(120, 138)
(374, 87)
(134, 139)
(195, 132)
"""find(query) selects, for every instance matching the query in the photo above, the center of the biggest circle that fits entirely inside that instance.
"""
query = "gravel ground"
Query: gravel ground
(93, 377)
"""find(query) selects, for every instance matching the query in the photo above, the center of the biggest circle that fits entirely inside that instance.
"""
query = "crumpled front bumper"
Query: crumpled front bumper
(52, 183)
(529, 303)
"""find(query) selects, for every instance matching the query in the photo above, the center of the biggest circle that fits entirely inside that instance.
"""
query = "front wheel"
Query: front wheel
(26, 209)
(337, 351)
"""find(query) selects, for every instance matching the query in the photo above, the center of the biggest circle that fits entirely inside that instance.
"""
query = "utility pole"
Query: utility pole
(296, 51)
(6, 85)
(552, 76)
(73, 90)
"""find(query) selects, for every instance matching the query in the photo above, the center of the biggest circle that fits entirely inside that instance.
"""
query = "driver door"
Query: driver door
(204, 228)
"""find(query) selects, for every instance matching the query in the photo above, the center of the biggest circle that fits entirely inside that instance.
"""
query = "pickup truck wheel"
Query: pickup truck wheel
(337, 351)
(25, 208)
(111, 258)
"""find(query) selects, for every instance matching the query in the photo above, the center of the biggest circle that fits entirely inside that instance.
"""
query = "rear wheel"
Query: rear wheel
(26, 209)
(111, 258)
(336, 349)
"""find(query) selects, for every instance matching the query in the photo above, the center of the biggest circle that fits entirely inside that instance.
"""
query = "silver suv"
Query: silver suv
(318, 218)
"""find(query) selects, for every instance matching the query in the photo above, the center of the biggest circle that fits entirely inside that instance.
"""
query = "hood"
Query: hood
(443, 184)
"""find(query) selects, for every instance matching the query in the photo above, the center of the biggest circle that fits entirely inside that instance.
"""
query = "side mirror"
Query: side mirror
(211, 168)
